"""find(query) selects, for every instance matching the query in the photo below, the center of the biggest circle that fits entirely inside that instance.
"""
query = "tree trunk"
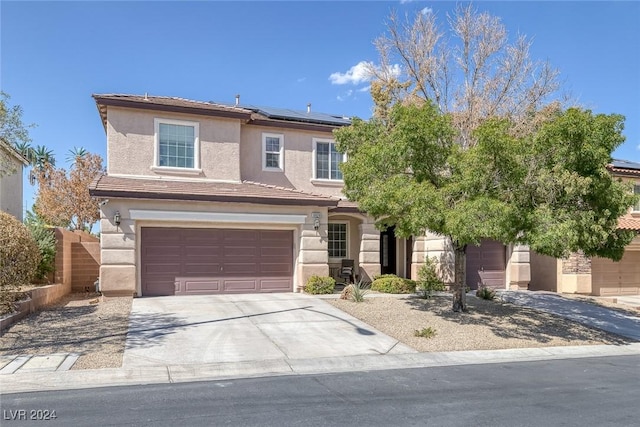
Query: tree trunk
(459, 285)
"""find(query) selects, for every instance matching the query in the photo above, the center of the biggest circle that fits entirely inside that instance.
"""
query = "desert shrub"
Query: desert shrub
(355, 291)
(428, 280)
(486, 293)
(392, 284)
(19, 255)
(427, 332)
(320, 285)
(46, 240)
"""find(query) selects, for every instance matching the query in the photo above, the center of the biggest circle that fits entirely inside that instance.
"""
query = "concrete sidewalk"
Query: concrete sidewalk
(21, 382)
(593, 315)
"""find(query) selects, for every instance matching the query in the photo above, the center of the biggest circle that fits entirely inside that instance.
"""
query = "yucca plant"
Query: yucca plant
(358, 291)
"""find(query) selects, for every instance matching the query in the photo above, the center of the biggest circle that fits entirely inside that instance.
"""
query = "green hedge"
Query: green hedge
(392, 284)
(320, 285)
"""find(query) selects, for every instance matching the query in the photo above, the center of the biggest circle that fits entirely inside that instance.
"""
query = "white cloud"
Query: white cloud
(365, 89)
(356, 75)
(301, 79)
(359, 73)
(426, 11)
(346, 95)
(405, 1)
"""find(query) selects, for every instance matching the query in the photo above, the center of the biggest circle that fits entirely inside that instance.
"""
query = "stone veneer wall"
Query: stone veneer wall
(575, 274)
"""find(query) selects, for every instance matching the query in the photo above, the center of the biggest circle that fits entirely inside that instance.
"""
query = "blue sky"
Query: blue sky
(54, 55)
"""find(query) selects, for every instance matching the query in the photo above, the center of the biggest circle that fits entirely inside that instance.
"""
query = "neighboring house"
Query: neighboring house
(597, 276)
(11, 164)
(211, 198)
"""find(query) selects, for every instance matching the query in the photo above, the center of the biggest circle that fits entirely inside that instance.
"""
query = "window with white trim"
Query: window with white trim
(177, 144)
(337, 239)
(636, 190)
(272, 152)
(327, 160)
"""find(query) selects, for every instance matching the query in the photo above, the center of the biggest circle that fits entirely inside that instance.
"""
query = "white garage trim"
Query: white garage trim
(139, 214)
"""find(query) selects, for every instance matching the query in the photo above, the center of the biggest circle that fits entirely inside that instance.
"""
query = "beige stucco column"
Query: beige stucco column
(118, 252)
(313, 257)
(433, 245)
(519, 267)
(369, 257)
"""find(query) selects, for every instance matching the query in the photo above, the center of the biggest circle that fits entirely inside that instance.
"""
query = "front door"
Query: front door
(388, 251)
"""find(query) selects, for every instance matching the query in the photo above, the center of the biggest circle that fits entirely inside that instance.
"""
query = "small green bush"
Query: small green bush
(46, 240)
(392, 284)
(317, 285)
(428, 280)
(486, 293)
(427, 332)
(19, 255)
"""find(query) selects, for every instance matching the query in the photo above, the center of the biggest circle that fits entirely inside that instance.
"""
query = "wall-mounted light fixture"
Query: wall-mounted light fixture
(116, 218)
(316, 220)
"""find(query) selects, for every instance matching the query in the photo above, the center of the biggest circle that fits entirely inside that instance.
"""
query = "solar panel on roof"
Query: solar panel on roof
(625, 164)
(299, 116)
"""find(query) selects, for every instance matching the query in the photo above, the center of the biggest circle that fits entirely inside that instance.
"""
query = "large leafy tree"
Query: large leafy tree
(63, 197)
(548, 188)
(467, 66)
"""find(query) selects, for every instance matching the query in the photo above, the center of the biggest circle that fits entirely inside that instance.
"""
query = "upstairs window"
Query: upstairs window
(327, 160)
(272, 152)
(177, 144)
(636, 190)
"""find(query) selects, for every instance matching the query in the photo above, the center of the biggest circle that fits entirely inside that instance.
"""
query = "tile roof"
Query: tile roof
(624, 167)
(265, 116)
(242, 192)
(629, 222)
(346, 206)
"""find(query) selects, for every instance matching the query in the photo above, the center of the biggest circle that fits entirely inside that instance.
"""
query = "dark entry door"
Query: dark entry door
(388, 251)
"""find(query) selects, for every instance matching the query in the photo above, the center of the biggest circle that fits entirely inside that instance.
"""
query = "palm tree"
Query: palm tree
(26, 150)
(42, 157)
(75, 154)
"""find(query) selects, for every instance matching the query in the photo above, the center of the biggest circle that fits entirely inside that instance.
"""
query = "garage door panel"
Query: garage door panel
(240, 285)
(277, 269)
(486, 264)
(204, 250)
(241, 269)
(241, 251)
(195, 285)
(161, 268)
(201, 261)
(275, 285)
(202, 269)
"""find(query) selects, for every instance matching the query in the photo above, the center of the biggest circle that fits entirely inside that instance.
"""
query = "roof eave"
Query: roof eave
(121, 194)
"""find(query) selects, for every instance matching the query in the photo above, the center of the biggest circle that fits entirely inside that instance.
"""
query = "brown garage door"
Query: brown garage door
(486, 264)
(616, 278)
(183, 261)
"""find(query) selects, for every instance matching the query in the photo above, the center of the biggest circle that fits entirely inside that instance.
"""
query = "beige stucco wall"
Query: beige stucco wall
(10, 184)
(545, 271)
(120, 247)
(298, 160)
(131, 144)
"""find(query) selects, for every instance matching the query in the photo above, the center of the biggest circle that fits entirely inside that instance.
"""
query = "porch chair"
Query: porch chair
(346, 270)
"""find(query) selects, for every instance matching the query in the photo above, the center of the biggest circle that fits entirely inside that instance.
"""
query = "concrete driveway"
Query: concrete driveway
(191, 330)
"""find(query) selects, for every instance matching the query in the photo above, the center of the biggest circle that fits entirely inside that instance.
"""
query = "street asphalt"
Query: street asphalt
(180, 339)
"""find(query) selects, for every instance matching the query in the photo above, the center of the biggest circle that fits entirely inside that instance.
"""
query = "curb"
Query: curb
(22, 382)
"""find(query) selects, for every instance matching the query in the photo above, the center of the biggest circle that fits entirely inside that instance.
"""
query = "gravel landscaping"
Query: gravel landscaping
(488, 325)
(95, 327)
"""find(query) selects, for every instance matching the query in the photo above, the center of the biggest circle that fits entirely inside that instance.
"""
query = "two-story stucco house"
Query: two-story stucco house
(597, 276)
(11, 164)
(209, 198)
